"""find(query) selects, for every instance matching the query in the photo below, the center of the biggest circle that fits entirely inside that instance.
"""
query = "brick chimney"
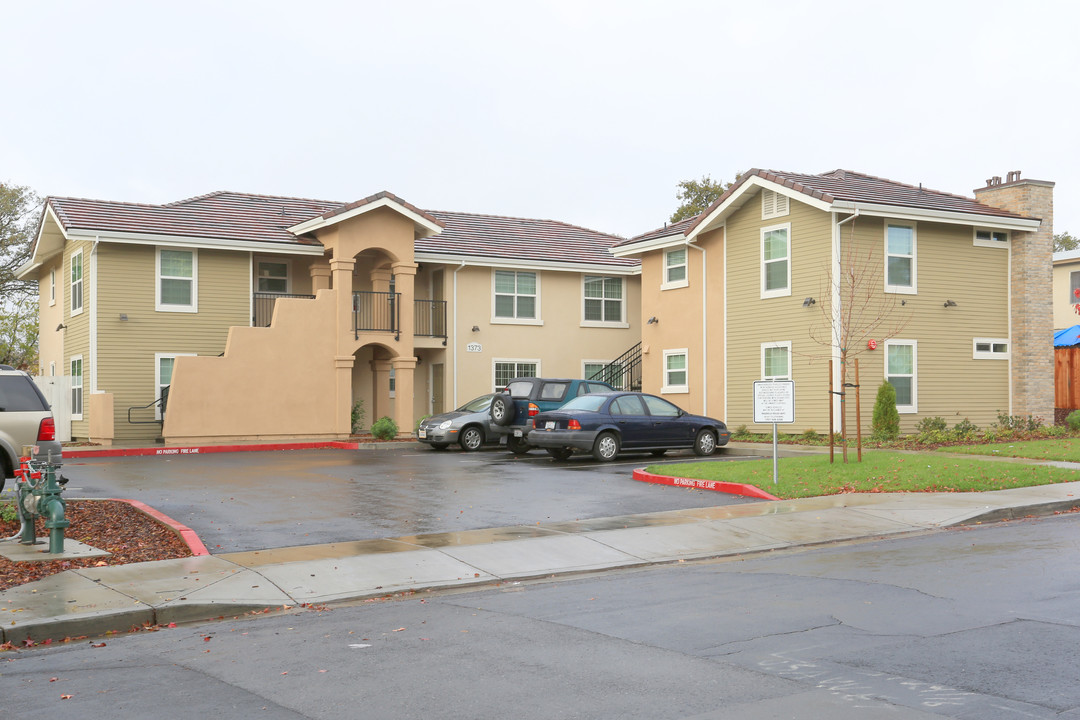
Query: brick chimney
(1031, 291)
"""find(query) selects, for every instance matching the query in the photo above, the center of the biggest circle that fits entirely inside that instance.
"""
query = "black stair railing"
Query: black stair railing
(624, 372)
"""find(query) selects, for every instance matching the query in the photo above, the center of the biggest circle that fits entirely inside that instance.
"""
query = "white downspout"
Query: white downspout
(835, 302)
(453, 352)
(704, 327)
(93, 316)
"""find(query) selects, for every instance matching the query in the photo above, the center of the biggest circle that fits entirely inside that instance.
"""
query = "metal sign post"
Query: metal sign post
(774, 402)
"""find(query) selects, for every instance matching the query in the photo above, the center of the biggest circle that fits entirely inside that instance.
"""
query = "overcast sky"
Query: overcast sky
(585, 112)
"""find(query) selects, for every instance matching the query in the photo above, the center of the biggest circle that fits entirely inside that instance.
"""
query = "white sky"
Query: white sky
(586, 112)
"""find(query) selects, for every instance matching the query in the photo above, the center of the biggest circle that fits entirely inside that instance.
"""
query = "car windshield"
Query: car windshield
(481, 403)
(585, 403)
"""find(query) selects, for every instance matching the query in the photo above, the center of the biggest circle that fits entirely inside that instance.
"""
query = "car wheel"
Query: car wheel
(439, 446)
(471, 439)
(705, 442)
(517, 445)
(502, 410)
(658, 453)
(606, 447)
(560, 453)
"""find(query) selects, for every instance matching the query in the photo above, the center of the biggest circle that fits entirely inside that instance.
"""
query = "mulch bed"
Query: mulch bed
(130, 535)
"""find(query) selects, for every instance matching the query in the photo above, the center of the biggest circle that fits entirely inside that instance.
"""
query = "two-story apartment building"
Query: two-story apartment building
(1065, 287)
(270, 317)
(945, 296)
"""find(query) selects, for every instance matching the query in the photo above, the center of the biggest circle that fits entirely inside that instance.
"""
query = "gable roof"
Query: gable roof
(516, 239)
(248, 221)
(841, 191)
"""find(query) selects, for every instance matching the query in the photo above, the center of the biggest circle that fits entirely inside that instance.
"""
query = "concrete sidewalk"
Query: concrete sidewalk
(95, 601)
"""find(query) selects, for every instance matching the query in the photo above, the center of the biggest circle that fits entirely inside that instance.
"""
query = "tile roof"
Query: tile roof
(675, 228)
(265, 218)
(493, 236)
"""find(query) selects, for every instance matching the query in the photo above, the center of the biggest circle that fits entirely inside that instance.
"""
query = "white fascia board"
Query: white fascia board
(1066, 255)
(37, 260)
(507, 264)
(196, 242)
(992, 222)
(716, 218)
(645, 246)
(429, 227)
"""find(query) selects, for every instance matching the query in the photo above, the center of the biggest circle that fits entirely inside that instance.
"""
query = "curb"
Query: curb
(642, 475)
(186, 534)
(76, 453)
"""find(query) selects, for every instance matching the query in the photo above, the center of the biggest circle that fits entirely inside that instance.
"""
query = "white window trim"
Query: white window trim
(990, 243)
(52, 287)
(194, 306)
(780, 204)
(584, 374)
(158, 357)
(516, 361)
(914, 406)
(288, 275)
(81, 283)
(52, 368)
(621, 322)
(786, 291)
(81, 385)
(538, 320)
(673, 284)
(781, 344)
(903, 289)
(666, 389)
(977, 354)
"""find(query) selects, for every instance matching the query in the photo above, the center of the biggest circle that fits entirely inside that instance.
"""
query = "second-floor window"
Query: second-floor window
(77, 282)
(776, 260)
(177, 280)
(899, 258)
(674, 269)
(603, 299)
(273, 277)
(515, 295)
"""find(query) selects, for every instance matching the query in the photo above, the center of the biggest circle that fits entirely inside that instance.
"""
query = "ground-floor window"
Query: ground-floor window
(776, 361)
(901, 370)
(507, 370)
(163, 372)
(676, 378)
(76, 388)
(990, 348)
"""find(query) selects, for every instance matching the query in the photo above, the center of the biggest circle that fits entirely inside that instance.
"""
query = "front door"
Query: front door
(437, 406)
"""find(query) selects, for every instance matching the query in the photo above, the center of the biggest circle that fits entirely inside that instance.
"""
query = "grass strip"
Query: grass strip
(880, 471)
(1054, 449)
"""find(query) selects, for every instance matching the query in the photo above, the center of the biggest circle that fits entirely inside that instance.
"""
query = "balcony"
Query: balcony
(372, 312)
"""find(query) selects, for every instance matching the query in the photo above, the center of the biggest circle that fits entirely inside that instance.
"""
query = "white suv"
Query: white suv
(25, 419)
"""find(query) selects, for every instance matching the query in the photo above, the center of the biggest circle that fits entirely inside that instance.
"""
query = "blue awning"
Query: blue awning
(1067, 337)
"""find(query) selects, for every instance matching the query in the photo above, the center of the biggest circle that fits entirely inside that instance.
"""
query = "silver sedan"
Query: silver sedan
(468, 426)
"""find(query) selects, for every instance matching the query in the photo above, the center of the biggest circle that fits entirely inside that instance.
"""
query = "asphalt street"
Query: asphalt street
(976, 622)
(256, 500)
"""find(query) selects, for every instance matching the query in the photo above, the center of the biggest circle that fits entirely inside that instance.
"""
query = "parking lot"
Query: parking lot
(255, 500)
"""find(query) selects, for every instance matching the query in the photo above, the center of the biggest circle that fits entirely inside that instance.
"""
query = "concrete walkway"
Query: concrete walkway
(95, 601)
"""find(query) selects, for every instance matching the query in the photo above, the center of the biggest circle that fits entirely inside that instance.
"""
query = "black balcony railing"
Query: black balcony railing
(377, 312)
(264, 306)
(429, 318)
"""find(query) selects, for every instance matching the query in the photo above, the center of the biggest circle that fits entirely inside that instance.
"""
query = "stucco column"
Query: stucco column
(320, 277)
(404, 368)
(404, 282)
(343, 288)
(380, 279)
(343, 393)
(380, 389)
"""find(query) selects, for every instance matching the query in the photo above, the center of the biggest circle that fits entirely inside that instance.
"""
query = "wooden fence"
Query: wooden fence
(1067, 378)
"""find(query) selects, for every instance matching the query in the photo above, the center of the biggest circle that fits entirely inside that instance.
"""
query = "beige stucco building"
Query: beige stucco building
(271, 317)
(1065, 287)
(945, 296)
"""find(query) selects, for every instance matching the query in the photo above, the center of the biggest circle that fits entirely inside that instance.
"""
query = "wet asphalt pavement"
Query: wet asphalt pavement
(257, 500)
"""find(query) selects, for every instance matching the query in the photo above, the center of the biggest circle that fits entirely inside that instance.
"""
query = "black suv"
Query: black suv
(513, 409)
(25, 420)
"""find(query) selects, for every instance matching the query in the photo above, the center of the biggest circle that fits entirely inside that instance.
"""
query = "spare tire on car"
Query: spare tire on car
(503, 410)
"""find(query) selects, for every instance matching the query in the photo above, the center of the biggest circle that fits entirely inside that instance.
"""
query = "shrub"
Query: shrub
(965, 430)
(1073, 421)
(8, 513)
(384, 428)
(422, 418)
(1018, 423)
(741, 433)
(357, 416)
(886, 421)
(810, 435)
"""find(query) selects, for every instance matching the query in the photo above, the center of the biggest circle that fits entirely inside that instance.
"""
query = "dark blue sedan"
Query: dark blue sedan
(607, 423)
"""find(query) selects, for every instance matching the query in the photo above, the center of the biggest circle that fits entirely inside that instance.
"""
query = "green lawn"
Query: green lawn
(1063, 449)
(880, 471)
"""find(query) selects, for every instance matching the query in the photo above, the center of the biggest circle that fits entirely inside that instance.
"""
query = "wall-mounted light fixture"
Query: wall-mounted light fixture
(808, 302)
(476, 328)
(123, 317)
(950, 303)
(60, 327)
(652, 321)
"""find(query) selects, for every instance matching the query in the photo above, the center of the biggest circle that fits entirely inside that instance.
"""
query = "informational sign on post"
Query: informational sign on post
(774, 402)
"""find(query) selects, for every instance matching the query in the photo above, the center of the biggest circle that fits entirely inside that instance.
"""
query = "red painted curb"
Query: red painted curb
(205, 449)
(726, 487)
(186, 534)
